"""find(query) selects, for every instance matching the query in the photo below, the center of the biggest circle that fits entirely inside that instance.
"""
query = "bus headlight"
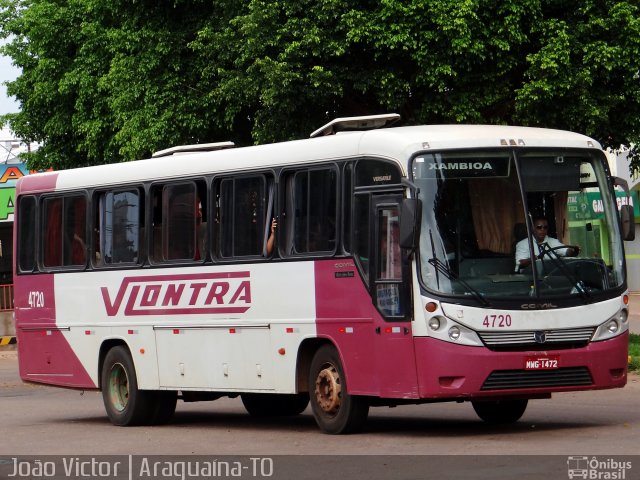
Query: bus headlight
(623, 316)
(446, 328)
(454, 333)
(434, 323)
(613, 327)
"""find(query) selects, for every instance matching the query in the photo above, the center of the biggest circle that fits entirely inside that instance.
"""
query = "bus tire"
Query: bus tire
(334, 409)
(163, 405)
(500, 411)
(274, 404)
(124, 403)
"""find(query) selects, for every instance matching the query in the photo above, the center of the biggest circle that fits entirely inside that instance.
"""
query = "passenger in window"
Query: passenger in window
(542, 242)
(271, 241)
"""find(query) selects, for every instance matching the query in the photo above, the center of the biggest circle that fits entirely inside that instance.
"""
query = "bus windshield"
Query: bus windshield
(518, 223)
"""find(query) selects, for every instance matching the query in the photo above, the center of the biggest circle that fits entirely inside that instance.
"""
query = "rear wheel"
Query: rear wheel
(124, 403)
(334, 409)
(500, 411)
(163, 405)
(274, 404)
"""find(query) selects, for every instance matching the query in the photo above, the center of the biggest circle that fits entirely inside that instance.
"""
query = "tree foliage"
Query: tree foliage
(112, 80)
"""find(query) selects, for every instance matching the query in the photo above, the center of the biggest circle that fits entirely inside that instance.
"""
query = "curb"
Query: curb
(7, 341)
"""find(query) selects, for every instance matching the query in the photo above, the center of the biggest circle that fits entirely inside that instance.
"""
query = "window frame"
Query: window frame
(42, 211)
(35, 241)
(287, 241)
(217, 229)
(347, 198)
(151, 225)
(96, 227)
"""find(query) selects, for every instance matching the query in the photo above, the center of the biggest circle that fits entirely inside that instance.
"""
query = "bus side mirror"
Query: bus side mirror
(627, 222)
(409, 223)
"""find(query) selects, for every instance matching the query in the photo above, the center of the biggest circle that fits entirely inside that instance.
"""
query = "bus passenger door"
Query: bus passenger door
(390, 291)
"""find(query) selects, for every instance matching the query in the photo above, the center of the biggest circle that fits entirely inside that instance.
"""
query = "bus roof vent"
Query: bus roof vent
(368, 122)
(199, 147)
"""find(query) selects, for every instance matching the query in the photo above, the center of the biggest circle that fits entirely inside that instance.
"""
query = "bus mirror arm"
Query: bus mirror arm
(410, 224)
(410, 214)
(415, 190)
(627, 224)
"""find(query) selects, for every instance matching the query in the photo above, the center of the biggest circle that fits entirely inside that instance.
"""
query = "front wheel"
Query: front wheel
(500, 411)
(334, 409)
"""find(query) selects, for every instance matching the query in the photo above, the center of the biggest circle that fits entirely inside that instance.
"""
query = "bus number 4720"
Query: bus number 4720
(492, 321)
(36, 299)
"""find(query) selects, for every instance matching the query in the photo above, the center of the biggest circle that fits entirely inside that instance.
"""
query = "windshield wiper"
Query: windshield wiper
(443, 268)
(561, 265)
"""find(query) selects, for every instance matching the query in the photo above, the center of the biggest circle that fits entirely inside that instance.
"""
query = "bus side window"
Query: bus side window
(177, 217)
(64, 241)
(347, 200)
(118, 227)
(313, 211)
(155, 231)
(201, 221)
(361, 232)
(75, 228)
(52, 232)
(179, 220)
(389, 266)
(27, 234)
(242, 213)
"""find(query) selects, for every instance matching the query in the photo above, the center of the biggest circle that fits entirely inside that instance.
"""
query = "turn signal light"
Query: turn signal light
(431, 307)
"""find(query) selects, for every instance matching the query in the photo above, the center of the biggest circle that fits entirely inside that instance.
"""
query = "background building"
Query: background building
(11, 169)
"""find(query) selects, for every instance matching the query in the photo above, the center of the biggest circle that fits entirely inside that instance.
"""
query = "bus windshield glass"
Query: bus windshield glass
(518, 223)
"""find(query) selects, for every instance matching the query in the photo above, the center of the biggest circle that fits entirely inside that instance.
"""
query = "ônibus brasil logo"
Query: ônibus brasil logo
(187, 294)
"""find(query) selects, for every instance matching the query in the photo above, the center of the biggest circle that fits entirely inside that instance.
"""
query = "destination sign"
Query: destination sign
(440, 166)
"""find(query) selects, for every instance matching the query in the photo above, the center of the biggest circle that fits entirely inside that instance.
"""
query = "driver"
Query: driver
(542, 242)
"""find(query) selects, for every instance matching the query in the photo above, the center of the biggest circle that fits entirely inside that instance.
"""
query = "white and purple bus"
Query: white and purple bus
(391, 278)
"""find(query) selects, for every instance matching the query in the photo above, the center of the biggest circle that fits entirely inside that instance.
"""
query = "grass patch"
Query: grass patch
(634, 352)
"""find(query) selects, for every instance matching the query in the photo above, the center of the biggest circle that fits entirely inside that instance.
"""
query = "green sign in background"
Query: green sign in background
(588, 205)
(7, 199)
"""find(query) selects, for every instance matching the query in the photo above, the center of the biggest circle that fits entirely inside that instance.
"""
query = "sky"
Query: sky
(7, 72)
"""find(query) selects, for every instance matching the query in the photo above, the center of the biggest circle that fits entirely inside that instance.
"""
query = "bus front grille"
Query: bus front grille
(547, 338)
(562, 377)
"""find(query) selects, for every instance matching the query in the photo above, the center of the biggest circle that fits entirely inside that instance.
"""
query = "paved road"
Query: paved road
(39, 420)
(44, 420)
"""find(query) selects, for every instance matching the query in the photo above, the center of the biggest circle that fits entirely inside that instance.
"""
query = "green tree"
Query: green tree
(110, 80)
(107, 81)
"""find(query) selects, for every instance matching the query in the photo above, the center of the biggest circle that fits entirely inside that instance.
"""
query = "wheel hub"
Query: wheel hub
(118, 387)
(328, 390)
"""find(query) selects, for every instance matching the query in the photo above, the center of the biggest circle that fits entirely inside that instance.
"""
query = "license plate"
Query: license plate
(548, 362)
